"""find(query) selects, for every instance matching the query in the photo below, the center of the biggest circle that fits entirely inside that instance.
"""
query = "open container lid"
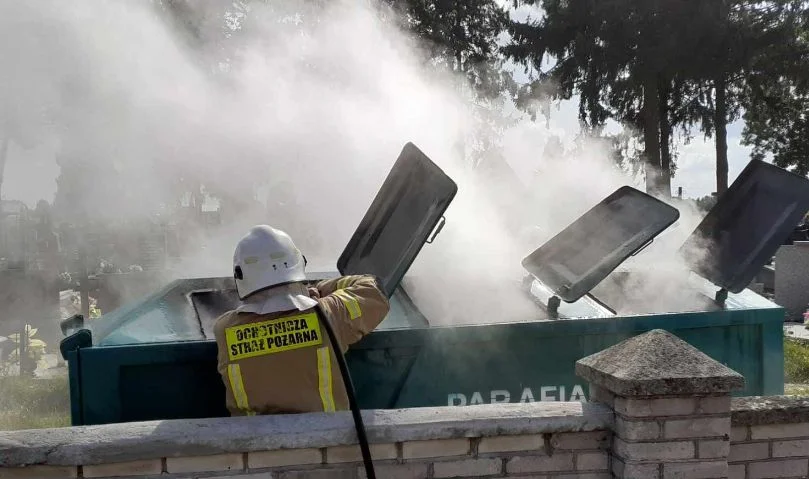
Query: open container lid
(583, 254)
(406, 210)
(747, 225)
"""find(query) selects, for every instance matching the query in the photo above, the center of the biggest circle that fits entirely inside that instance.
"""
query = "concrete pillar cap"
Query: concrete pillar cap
(657, 363)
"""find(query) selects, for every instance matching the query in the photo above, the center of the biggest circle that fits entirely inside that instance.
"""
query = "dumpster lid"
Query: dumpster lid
(589, 249)
(747, 225)
(406, 210)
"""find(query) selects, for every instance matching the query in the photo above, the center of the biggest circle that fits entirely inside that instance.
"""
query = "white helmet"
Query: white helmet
(266, 257)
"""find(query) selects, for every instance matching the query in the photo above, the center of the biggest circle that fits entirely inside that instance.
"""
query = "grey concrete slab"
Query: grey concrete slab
(796, 330)
(134, 441)
(758, 410)
(792, 279)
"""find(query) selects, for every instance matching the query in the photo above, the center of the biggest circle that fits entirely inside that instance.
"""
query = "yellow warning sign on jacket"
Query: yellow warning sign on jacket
(273, 336)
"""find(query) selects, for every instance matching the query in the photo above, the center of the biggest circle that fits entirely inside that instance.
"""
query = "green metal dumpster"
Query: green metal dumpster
(157, 359)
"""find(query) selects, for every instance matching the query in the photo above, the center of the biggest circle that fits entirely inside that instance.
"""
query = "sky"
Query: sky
(30, 175)
(696, 163)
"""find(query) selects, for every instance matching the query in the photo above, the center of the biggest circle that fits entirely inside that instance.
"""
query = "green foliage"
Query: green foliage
(796, 361)
(776, 110)
(624, 59)
(696, 59)
(780, 128)
(28, 403)
(33, 347)
(75, 306)
(706, 203)
(461, 36)
(801, 390)
(776, 95)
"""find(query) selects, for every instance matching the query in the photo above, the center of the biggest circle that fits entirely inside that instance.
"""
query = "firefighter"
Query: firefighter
(274, 356)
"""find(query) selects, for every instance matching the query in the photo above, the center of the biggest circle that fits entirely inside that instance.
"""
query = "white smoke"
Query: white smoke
(313, 113)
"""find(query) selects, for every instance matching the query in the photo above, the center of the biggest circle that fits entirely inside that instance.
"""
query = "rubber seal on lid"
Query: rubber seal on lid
(747, 225)
(404, 213)
(578, 258)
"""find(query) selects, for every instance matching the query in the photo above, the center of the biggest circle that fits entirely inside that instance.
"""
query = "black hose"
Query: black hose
(352, 400)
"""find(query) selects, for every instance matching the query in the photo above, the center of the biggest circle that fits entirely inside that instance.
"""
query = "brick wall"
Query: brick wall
(762, 437)
(578, 455)
(769, 438)
(562, 440)
(670, 437)
(660, 409)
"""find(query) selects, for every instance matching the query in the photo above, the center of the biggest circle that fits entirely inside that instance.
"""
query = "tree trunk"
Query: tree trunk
(3, 155)
(84, 280)
(720, 124)
(22, 349)
(651, 134)
(665, 139)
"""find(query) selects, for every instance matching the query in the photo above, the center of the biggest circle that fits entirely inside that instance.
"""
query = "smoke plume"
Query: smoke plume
(309, 110)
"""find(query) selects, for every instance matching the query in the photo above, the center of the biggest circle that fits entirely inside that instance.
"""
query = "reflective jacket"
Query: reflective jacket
(282, 362)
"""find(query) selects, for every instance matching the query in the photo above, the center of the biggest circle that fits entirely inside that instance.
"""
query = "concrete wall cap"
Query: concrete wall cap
(176, 438)
(761, 410)
(657, 363)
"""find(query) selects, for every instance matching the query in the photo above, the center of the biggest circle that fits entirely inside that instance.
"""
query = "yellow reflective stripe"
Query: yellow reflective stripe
(237, 386)
(350, 302)
(343, 282)
(324, 379)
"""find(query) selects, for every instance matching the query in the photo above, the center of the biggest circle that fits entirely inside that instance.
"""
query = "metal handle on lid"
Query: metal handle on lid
(438, 228)
(645, 245)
